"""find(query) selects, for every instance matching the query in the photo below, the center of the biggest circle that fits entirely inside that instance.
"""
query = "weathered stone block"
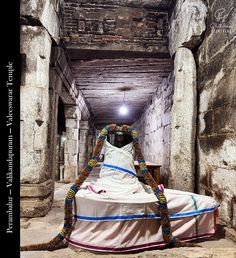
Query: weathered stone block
(187, 24)
(72, 134)
(35, 43)
(71, 159)
(33, 138)
(183, 124)
(71, 146)
(40, 135)
(34, 166)
(27, 135)
(44, 12)
(72, 123)
(35, 107)
(35, 207)
(36, 190)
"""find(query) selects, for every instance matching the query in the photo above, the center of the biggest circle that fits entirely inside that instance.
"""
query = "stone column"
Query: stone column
(183, 122)
(54, 91)
(91, 142)
(36, 183)
(72, 114)
(83, 146)
(187, 25)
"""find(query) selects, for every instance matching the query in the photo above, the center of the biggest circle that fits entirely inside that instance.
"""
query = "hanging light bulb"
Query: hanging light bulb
(123, 109)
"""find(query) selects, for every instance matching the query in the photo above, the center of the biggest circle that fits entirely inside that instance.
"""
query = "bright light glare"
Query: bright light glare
(123, 110)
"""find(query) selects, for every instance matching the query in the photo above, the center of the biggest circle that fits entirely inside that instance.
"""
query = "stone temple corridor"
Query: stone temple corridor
(173, 65)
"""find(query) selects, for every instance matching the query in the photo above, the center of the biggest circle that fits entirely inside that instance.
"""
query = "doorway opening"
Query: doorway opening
(61, 131)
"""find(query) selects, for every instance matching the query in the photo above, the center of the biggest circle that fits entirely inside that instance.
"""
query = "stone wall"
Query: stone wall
(114, 26)
(154, 127)
(216, 59)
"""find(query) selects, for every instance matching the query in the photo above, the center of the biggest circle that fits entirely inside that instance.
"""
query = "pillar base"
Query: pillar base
(36, 199)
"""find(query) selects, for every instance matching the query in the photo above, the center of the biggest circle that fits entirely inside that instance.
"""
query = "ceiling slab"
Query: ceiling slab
(103, 82)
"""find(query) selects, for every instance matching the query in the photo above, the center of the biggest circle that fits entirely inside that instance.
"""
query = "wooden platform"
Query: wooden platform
(153, 168)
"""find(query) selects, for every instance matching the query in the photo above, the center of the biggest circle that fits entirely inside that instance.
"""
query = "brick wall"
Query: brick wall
(99, 24)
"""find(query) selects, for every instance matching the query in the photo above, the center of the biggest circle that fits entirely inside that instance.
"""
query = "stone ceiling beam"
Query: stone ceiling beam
(160, 4)
(88, 53)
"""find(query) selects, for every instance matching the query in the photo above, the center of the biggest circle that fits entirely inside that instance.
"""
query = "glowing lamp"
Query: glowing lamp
(123, 110)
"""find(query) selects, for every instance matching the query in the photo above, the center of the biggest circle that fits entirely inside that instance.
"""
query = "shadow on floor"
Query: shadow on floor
(220, 234)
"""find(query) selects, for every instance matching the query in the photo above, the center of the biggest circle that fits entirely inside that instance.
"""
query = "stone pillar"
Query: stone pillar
(83, 145)
(183, 122)
(54, 91)
(72, 114)
(36, 183)
(187, 25)
(91, 141)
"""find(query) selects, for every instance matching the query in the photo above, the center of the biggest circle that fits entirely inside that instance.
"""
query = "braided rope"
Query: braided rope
(57, 242)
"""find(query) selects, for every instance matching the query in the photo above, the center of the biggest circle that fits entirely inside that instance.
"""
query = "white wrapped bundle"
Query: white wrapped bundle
(118, 213)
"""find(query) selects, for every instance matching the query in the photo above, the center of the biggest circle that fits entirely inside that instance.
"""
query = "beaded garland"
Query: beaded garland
(57, 242)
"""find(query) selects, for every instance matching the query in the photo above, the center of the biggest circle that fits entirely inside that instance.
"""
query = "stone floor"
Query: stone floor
(43, 229)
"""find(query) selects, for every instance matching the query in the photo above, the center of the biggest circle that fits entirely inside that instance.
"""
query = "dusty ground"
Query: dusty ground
(43, 229)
